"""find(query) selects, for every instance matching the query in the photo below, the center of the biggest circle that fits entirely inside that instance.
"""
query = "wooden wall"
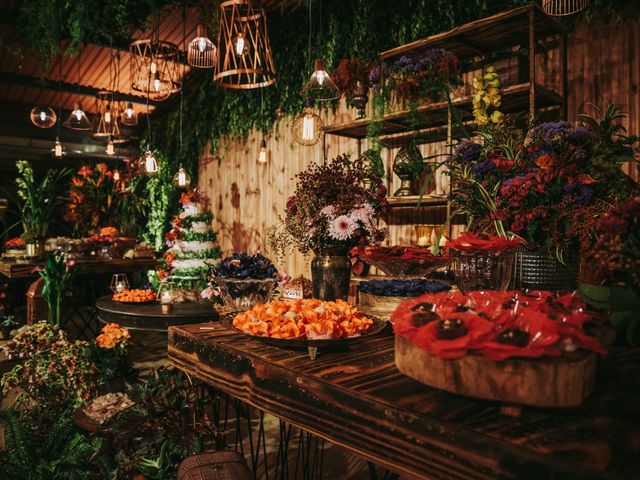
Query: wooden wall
(247, 197)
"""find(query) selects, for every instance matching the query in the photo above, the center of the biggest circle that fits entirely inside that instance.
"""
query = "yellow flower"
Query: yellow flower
(497, 117)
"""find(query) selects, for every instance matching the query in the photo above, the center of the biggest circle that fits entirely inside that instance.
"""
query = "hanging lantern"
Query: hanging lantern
(182, 179)
(155, 68)
(201, 52)
(78, 120)
(43, 117)
(111, 149)
(244, 57)
(119, 282)
(321, 86)
(129, 116)
(108, 126)
(263, 154)
(308, 125)
(148, 163)
(560, 8)
(58, 150)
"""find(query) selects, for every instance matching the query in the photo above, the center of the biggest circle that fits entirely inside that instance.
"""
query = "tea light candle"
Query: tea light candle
(120, 286)
(166, 298)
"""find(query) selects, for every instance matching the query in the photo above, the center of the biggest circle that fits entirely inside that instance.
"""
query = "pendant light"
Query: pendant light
(244, 57)
(263, 153)
(78, 120)
(182, 179)
(58, 150)
(116, 175)
(201, 52)
(307, 126)
(43, 117)
(148, 163)
(111, 149)
(561, 8)
(108, 125)
(155, 65)
(129, 116)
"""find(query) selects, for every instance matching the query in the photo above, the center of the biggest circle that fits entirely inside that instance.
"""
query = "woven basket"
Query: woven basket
(223, 465)
(537, 270)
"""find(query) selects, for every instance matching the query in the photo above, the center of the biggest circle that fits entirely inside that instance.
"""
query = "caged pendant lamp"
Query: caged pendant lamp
(244, 59)
(201, 52)
(108, 124)
(307, 126)
(561, 8)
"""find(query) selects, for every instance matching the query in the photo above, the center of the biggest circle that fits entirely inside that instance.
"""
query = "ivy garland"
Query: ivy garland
(358, 28)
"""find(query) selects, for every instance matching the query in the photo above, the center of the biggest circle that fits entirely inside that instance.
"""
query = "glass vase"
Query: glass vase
(489, 270)
(331, 274)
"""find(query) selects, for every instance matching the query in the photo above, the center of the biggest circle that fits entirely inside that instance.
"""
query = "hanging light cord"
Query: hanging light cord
(184, 34)
(309, 46)
(60, 93)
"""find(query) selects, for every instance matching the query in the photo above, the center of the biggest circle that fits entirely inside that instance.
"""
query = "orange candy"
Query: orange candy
(135, 296)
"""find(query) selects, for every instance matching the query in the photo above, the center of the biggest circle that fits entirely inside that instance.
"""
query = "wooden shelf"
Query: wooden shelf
(418, 201)
(515, 98)
(498, 32)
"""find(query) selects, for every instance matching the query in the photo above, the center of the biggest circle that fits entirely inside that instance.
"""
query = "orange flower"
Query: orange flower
(76, 197)
(102, 168)
(586, 179)
(76, 182)
(545, 161)
(85, 171)
(105, 341)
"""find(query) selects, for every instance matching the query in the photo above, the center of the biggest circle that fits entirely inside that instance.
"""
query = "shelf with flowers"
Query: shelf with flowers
(330, 212)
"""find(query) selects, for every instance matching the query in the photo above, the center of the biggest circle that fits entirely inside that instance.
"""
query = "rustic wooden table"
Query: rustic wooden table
(359, 400)
(149, 316)
(15, 270)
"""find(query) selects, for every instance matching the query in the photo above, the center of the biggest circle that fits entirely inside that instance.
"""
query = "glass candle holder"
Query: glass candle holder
(428, 235)
(119, 283)
(486, 270)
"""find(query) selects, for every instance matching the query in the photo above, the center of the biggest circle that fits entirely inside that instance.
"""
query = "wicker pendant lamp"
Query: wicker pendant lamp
(560, 8)
(244, 57)
(155, 65)
(201, 52)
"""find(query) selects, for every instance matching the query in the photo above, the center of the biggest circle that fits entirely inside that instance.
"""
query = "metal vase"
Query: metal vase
(331, 274)
(538, 270)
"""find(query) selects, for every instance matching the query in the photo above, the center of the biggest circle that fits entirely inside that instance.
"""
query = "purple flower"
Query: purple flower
(552, 132)
(582, 135)
(483, 167)
(467, 151)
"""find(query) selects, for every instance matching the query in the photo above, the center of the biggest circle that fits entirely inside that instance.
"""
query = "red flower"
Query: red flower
(85, 171)
(503, 163)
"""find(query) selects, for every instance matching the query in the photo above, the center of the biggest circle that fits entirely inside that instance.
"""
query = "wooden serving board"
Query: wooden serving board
(542, 382)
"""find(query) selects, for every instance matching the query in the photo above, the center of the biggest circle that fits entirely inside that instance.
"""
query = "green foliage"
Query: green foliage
(62, 454)
(57, 275)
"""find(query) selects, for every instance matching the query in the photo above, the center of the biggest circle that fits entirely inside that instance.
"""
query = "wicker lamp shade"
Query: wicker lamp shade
(43, 117)
(155, 68)
(559, 8)
(107, 125)
(201, 52)
(244, 57)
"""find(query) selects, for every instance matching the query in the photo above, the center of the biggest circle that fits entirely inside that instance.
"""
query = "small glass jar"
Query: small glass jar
(483, 270)
(239, 295)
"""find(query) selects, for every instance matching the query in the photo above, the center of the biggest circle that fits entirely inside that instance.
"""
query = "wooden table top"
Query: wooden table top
(149, 316)
(358, 399)
(13, 270)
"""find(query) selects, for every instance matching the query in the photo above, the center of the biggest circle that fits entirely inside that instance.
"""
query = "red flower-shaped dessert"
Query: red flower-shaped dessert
(469, 242)
(402, 260)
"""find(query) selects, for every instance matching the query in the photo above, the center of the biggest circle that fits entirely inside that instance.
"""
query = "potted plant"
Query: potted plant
(58, 275)
(109, 351)
(330, 212)
(7, 323)
(352, 78)
(40, 201)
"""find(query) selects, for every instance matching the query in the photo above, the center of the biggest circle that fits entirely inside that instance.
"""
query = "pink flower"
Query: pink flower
(329, 211)
(342, 228)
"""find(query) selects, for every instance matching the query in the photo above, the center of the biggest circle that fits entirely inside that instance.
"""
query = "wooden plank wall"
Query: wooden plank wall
(247, 197)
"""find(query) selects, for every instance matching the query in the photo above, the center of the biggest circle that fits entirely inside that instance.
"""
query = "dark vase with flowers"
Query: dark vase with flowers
(331, 274)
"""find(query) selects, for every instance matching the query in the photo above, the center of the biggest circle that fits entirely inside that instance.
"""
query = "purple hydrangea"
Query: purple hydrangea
(582, 135)
(467, 151)
(553, 132)
(483, 167)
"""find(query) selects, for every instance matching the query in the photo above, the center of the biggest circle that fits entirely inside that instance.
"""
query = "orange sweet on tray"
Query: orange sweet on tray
(308, 318)
(135, 296)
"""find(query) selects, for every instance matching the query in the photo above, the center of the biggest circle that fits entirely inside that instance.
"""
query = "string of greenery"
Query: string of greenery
(357, 28)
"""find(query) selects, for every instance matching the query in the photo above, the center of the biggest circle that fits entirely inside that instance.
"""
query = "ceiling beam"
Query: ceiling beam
(65, 87)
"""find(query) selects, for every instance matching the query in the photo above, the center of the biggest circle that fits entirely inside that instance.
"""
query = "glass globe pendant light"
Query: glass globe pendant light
(182, 179)
(307, 126)
(148, 163)
(43, 117)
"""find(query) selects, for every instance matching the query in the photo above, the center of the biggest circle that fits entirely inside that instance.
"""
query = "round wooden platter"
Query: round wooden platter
(541, 382)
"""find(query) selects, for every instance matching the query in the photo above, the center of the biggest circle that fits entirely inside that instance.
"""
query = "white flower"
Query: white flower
(342, 228)
(329, 211)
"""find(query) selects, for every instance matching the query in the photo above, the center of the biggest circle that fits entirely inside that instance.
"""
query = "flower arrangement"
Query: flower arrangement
(332, 208)
(428, 77)
(109, 352)
(487, 98)
(58, 274)
(496, 325)
(469, 242)
(243, 266)
(546, 187)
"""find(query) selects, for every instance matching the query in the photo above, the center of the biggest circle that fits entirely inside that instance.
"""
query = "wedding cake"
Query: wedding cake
(192, 248)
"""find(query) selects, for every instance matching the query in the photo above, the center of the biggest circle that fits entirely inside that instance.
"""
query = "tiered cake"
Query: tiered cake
(192, 244)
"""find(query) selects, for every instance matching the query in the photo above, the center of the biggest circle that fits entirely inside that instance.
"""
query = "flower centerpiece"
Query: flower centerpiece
(109, 352)
(330, 212)
(243, 280)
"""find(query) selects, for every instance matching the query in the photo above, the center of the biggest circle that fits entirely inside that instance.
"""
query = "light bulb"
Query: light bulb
(150, 163)
(181, 179)
(107, 114)
(154, 67)
(240, 46)
(129, 112)
(320, 76)
(308, 127)
(78, 114)
(43, 116)
(58, 149)
(116, 175)
(156, 83)
(262, 156)
(202, 44)
(111, 150)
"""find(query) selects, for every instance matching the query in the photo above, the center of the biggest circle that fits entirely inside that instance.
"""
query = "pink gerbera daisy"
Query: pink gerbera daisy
(342, 228)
